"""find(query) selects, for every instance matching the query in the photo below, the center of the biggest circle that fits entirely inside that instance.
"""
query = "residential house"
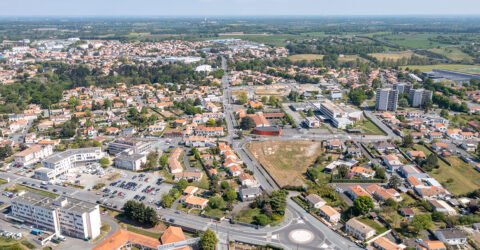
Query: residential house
(359, 230)
(431, 245)
(452, 237)
(332, 215)
(383, 243)
(249, 193)
(315, 201)
(356, 191)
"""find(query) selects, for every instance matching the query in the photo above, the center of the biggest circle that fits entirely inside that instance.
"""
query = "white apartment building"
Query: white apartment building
(32, 155)
(386, 99)
(61, 215)
(131, 146)
(59, 164)
(419, 96)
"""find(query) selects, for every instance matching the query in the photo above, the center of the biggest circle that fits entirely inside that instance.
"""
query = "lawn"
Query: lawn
(308, 57)
(465, 68)
(247, 214)
(18, 187)
(460, 178)
(3, 181)
(217, 213)
(368, 127)
(286, 161)
(380, 229)
(144, 232)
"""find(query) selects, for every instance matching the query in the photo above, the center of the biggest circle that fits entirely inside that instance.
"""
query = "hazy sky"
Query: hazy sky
(237, 7)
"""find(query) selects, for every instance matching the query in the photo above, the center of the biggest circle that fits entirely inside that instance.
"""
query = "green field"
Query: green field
(308, 57)
(380, 229)
(465, 68)
(18, 187)
(411, 40)
(460, 178)
(393, 55)
(368, 127)
(144, 232)
(453, 54)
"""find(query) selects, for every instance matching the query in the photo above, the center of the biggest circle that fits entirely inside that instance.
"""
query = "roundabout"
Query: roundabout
(301, 236)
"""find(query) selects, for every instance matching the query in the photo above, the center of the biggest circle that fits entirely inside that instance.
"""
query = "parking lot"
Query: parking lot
(144, 187)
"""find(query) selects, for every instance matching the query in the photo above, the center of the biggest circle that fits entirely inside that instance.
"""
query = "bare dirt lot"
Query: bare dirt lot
(286, 161)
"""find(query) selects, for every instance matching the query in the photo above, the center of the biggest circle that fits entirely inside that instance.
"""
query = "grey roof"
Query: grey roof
(249, 191)
(314, 199)
(65, 154)
(451, 233)
(132, 157)
(359, 226)
(52, 203)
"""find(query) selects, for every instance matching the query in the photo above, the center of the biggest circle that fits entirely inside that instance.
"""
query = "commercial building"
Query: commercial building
(340, 116)
(130, 146)
(271, 131)
(60, 163)
(386, 99)
(132, 162)
(32, 155)
(61, 215)
(418, 97)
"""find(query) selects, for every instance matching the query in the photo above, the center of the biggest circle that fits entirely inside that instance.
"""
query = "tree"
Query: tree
(278, 201)
(427, 105)
(438, 216)
(167, 201)
(342, 172)
(182, 184)
(230, 195)
(261, 220)
(5, 152)
(403, 102)
(211, 123)
(394, 182)
(421, 221)
(391, 203)
(363, 204)
(444, 113)
(407, 141)
(140, 213)
(310, 113)
(104, 162)
(163, 160)
(216, 202)
(208, 240)
(242, 98)
(247, 123)
(380, 173)
(357, 96)
(224, 185)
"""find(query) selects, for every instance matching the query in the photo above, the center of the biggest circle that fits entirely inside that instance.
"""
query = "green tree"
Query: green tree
(444, 113)
(242, 98)
(247, 123)
(230, 195)
(357, 96)
(208, 240)
(211, 123)
(164, 160)
(407, 141)
(104, 162)
(421, 221)
(363, 204)
(216, 202)
(182, 184)
(261, 220)
(310, 113)
(403, 102)
(394, 182)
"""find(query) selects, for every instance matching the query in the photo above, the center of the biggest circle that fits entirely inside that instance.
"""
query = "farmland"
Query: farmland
(286, 161)
(472, 69)
(308, 57)
(393, 55)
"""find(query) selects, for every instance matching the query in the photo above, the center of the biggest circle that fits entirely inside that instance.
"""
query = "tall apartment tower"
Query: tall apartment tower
(386, 99)
(419, 96)
(402, 87)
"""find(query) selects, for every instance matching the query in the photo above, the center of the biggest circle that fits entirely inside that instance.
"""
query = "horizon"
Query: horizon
(109, 8)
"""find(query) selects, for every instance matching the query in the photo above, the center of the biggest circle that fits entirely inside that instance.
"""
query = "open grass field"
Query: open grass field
(308, 57)
(465, 68)
(460, 178)
(368, 127)
(286, 161)
(452, 53)
(349, 58)
(393, 55)
(247, 215)
(380, 229)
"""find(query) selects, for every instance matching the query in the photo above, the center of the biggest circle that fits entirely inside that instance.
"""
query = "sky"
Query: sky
(236, 7)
